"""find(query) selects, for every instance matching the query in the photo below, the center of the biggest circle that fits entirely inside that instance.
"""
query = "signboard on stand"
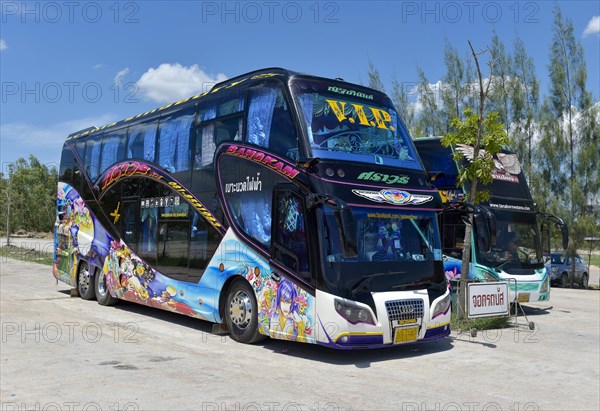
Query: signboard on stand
(488, 299)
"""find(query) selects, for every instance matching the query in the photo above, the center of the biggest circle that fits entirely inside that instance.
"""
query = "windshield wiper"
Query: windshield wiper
(363, 282)
(511, 259)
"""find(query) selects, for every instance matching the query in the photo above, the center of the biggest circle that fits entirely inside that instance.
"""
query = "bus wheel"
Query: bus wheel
(102, 295)
(85, 282)
(241, 313)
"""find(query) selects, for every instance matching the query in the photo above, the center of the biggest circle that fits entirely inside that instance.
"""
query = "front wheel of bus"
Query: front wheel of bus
(85, 282)
(241, 313)
(102, 294)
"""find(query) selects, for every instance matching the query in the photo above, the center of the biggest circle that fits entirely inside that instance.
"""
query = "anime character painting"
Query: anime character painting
(288, 315)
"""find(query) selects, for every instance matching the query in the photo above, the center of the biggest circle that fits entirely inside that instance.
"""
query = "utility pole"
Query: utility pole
(8, 210)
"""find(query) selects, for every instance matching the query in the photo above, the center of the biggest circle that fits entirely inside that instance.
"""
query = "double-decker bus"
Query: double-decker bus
(278, 204)
(517, 233)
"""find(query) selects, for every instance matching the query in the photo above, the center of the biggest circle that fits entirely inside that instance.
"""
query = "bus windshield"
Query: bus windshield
(517, 243)
(345, 124)
(394, 248)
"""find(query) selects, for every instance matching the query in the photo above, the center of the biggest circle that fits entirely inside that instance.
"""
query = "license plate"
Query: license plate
(405, 334)
(524, 297)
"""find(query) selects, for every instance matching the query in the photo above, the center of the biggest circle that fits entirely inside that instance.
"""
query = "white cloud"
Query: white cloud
(593, 27)
(120, 75)
(171, 82)
(3, 45)
(98, 66)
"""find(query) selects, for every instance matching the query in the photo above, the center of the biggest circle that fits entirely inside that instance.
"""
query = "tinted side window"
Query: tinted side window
(174, 141)
(92, 159)
(270, 122)
(142, 141)
(66, 165)
(219, 121)
(113, 149)
(291, 241)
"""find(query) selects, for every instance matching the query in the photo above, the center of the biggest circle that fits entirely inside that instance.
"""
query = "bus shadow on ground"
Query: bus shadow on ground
(166, 316)
(361, 358)
(534, 311)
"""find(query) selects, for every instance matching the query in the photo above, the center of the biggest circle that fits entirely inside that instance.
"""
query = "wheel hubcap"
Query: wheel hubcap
(84, 279)
(240, 310)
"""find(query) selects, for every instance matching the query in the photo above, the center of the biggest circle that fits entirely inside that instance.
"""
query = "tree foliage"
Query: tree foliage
(29, 189)
(490, 139)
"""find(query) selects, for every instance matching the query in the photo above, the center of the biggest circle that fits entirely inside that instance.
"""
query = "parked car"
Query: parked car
(561, 266)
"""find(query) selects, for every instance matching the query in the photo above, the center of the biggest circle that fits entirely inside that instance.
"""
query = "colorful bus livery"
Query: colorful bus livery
(205, 207)
(518, 245)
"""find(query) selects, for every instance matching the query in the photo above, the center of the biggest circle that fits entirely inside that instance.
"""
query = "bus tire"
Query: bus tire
(85, 282)
(241, 313)
(102, 294)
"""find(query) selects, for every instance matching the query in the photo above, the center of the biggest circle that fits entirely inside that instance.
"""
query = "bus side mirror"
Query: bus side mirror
(345, 221)
(482, 232)
(565, 235)
(491, 222)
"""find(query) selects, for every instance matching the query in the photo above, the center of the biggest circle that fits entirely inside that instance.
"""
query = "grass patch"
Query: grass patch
(595, 260)
(26, 254)
(485, 323)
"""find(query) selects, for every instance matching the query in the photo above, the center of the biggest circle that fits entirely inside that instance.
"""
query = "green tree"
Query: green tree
(486, 134)
(429, 118)
(571, 106)
(524, 91)
(30, 189)
(502, 73)
(454, 88)
(374, 78)
(406, 110)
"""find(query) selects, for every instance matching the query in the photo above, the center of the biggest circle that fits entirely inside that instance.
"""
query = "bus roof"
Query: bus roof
(243, 81)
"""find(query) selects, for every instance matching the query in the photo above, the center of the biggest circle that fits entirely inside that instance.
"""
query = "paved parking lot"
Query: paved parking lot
(59, 352)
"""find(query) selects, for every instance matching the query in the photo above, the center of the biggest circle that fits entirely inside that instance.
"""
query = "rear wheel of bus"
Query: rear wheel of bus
(241, 313)
(102, 295)
(85, 282)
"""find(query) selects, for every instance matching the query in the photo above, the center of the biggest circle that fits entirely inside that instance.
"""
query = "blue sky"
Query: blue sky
(68, 65)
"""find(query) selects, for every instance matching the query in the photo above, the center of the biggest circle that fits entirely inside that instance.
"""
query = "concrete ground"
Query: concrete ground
(59, 352)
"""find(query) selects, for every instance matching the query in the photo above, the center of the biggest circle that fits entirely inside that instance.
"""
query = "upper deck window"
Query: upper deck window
(113, 149)
(270, 123)
(351, 125)
(174, 141)
(142, 141)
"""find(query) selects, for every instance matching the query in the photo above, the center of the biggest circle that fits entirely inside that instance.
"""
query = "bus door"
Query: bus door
(292, 316)
(130, 215)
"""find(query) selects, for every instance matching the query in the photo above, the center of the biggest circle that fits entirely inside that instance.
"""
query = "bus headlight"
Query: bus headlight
(353, 312)
(442, 306)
